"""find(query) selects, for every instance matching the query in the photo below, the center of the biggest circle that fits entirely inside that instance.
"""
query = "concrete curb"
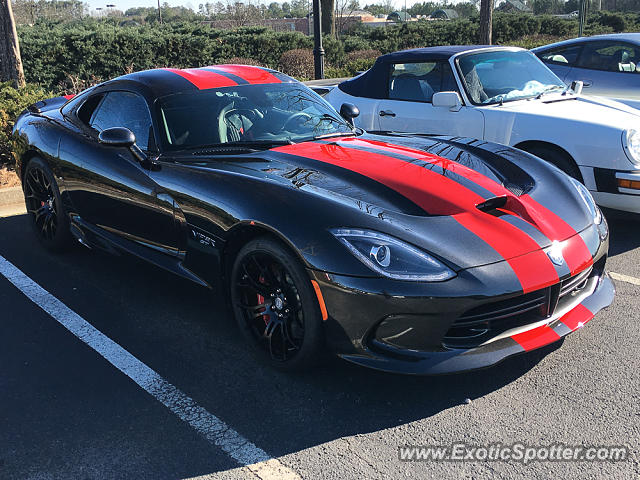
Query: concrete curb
(11, 196)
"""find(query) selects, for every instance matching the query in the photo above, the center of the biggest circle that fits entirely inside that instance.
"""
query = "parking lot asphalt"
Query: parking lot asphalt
(65, 412)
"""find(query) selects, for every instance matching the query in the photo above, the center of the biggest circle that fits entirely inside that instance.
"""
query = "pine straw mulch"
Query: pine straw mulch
(8, 178)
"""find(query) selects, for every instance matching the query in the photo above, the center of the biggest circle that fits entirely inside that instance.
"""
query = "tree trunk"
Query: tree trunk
(10, 61)
(486, 18)
(328, 16)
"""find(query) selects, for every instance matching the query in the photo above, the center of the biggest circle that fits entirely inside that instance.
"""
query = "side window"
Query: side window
(124, 109)
(562, 56)
(610, 57)
(85, 112)
(418, 82)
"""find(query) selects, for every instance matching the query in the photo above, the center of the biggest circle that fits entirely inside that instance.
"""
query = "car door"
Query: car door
(561, 60)
(408, 106)
(110, 189)
(609, 69)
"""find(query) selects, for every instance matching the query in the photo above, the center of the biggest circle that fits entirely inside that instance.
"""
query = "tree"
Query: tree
(343, 16)
(328, 17)
(486, 18)
(10, 60)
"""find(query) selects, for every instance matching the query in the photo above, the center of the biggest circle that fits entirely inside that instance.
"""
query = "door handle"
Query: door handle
(387, 113)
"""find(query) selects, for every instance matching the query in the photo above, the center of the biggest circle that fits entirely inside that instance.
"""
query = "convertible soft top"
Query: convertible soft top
(374, 82)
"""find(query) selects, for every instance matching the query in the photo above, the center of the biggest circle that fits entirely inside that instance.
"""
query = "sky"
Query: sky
(125, 4)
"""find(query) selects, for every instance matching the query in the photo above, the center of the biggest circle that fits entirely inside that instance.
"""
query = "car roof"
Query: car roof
(626, 37)
(165, 81)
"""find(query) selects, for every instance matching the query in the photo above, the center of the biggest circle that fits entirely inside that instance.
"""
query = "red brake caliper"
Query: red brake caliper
(265, 317)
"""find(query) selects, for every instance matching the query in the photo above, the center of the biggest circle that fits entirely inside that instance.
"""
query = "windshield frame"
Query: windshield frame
(463, 83)
(313, 97)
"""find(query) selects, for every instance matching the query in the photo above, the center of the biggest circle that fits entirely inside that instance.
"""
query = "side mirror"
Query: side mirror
(123, 137)
(450, 100)
(349, 111)
(576, 86)
(117, 137)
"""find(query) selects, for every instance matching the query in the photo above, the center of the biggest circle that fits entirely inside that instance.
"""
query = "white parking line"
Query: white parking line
(624, 278)
(252, 458)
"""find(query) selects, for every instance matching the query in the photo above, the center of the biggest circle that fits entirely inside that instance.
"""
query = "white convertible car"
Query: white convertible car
(505, 95)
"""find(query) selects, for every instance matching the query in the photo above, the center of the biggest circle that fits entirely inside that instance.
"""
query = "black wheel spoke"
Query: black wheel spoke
(270, 304)
(255, 311)
(249, 282)
(41, 202)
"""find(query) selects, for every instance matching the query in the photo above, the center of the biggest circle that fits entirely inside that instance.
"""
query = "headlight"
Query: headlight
(588, 200)
(391, 257)
(631, 145)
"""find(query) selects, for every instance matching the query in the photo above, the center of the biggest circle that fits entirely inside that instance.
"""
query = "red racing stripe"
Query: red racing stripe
(253, 75)
(441, 195)
(577, 317)
(203, 79)
(455, 167)
(533, 269)
(575, 251)
(536, 337)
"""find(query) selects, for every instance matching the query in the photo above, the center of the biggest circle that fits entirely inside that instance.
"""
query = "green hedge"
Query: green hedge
(71, 55)
(12, 103)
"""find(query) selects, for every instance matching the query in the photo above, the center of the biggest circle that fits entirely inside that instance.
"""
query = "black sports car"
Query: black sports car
(402, 253)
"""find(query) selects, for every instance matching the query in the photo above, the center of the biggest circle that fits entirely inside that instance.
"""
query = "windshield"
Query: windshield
(503, 76)
(247, 114)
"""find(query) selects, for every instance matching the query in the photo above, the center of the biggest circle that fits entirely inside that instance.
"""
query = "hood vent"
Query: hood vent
(492, 204)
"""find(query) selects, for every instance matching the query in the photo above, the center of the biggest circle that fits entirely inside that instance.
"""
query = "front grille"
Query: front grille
(486, 321)
(577, 282)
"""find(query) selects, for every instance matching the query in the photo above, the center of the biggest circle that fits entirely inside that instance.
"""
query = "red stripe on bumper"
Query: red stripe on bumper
(577, 317)
(536, 338)
(253, 75)
(203, 79)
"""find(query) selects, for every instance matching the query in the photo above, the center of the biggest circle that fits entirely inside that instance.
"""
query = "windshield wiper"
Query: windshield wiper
(547, 90)
(334, 135)
(242, 145)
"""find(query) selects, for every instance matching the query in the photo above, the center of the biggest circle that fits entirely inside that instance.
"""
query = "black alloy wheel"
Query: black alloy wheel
(44, 205)
(275, 306)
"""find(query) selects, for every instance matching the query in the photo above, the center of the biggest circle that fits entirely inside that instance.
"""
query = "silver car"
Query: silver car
(609, 65)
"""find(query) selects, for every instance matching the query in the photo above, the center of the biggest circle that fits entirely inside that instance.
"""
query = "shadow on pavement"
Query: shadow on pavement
(625, 231)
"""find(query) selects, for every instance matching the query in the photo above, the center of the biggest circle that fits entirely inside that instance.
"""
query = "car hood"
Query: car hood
(579, 109)
(466, 201)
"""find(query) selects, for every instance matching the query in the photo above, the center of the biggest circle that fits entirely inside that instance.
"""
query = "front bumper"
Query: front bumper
(617, 190)
(407, 327)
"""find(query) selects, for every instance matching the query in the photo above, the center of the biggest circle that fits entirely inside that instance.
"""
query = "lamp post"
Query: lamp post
(318, 51)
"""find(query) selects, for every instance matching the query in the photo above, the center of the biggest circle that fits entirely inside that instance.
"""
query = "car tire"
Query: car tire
(558, 158)
(275, 306)
(44, 205)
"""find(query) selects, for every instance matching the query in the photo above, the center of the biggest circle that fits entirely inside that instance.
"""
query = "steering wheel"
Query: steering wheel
(298, 117)
(248, 113)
